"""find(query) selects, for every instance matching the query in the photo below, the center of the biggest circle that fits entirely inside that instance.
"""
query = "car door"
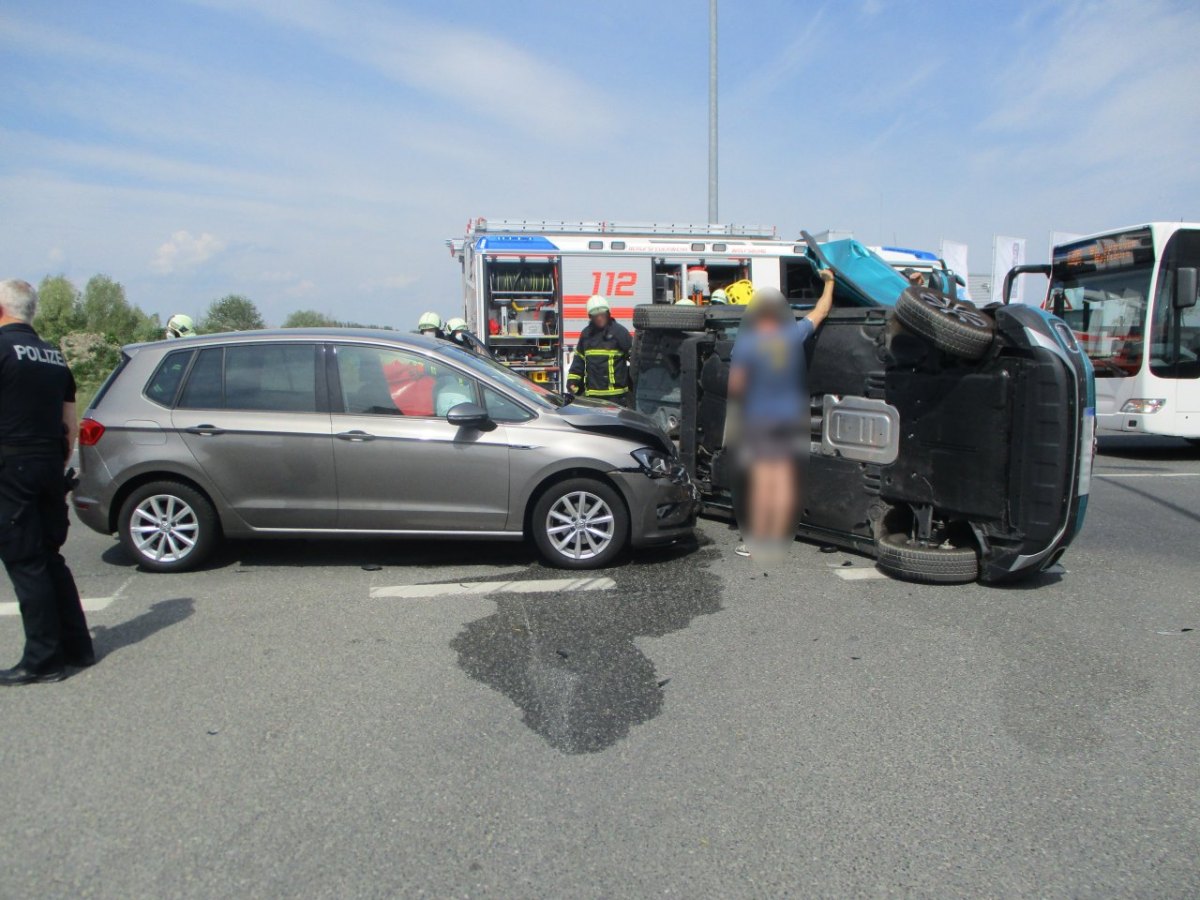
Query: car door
(255, 416)
(400, 465)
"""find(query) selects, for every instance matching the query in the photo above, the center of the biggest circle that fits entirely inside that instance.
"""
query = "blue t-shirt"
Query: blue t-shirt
(776, 373)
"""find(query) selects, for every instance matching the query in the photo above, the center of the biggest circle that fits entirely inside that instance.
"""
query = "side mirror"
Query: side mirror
(469, 415)
(1185, 288)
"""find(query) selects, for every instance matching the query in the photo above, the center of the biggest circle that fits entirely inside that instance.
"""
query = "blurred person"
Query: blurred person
(768, 387)
(37, 434)
(180, 326)
(600, 368)
(430, 325)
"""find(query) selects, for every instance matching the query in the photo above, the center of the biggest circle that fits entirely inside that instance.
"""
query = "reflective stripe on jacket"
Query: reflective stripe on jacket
(601, 363)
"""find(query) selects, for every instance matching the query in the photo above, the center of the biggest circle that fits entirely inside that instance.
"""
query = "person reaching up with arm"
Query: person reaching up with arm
(768, 384)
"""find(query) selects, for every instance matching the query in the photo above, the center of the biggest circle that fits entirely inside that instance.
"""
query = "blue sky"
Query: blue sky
(317, 154)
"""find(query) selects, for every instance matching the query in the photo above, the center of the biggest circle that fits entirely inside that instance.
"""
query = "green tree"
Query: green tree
(60, 310)
(148, 328)
(309, 318)
(231, 313)
(107, 312)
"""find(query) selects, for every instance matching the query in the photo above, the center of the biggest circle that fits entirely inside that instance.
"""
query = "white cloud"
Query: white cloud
(448, 61)
(389, 283)
(185, 251)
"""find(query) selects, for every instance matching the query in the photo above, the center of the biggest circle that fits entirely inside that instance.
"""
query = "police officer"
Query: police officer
(600, 368)
(37, 432)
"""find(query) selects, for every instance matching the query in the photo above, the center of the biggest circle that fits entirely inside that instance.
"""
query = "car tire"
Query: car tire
(157, 521)
(901, 557)
(580, 523)
(666, 315)
(957, 327)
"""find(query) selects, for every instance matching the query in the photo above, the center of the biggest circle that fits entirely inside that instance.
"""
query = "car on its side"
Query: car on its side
(361, 433)
(952, 442)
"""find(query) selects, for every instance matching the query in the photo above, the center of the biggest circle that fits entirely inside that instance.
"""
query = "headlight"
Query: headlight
(654, 463)
(1143, 405)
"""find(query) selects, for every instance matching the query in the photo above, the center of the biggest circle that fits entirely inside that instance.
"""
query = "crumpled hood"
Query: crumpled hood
(587, 415)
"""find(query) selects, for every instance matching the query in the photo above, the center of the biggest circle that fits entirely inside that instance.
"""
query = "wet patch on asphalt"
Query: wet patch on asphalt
(569, 660)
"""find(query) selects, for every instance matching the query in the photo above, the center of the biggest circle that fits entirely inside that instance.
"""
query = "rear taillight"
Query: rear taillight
(90, 432)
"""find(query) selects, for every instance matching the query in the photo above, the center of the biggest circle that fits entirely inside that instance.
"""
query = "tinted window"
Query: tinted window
(501, 409)
(203, 389)
(165, 384)
(380, 382)
(271, 377)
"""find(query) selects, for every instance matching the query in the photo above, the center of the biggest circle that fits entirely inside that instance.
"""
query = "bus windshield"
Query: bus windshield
(1102, 288)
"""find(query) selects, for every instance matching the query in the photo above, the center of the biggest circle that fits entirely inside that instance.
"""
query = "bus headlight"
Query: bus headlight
(1143, 405)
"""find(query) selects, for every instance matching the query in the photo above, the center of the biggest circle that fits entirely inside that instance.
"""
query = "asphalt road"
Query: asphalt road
(289, 722)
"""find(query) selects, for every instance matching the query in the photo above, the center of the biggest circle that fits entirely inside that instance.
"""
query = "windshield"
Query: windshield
(528, 390)
(1100, 288)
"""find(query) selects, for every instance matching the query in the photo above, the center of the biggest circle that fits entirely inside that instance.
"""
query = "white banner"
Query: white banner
(1007, 252)
(954, 255)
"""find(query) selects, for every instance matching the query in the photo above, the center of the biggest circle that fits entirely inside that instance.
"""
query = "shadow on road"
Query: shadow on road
(162, 614)
(1146, 446)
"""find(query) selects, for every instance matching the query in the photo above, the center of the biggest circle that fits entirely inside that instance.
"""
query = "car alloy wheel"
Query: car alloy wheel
(164, 528)
(580, 525)
(968, 315)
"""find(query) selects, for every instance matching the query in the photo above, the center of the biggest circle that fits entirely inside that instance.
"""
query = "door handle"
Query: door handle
(205, 430)
(356, 437)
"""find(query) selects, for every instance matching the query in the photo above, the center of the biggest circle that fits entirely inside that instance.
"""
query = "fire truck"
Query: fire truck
(526, 284)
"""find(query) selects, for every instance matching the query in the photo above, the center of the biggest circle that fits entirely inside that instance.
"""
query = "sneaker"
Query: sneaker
(742, 550)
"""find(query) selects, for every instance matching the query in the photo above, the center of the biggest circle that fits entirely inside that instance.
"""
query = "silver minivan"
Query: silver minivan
(360, 433)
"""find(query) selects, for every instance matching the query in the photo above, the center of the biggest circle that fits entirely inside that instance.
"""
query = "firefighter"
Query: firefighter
(600, 368)
(430, 325)
(37, 433)
(180, 326)
(457, 331)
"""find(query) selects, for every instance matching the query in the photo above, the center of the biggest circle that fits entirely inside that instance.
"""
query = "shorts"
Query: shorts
(772, 442)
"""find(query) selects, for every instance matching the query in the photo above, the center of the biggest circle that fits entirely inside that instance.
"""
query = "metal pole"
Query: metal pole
(712, 111)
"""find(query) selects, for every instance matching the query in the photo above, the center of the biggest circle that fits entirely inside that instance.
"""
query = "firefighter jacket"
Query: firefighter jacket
(601, 364)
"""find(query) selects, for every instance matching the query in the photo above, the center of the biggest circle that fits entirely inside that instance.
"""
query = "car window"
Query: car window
(271, 377)
(501, 409)
(376, 381)
(164, 385)
(261, 377)
(203, 388)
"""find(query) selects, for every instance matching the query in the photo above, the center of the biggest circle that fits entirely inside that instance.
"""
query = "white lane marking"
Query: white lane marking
(1147, 475)
(859, 574)
(90, 604)
(543, 586)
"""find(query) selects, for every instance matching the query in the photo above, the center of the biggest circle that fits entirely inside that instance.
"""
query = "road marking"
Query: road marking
(90, 604)
(1148, 474)
(859, 574)
(542, 586)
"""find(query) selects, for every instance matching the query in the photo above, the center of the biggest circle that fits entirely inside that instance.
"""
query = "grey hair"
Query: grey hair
(18, 299)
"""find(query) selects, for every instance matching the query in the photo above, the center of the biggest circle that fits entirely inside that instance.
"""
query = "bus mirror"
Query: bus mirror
(1185, 288)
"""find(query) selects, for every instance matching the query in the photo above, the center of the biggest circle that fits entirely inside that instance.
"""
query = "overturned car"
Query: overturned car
(953, 443)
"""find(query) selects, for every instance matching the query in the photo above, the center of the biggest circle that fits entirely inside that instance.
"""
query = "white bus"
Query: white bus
(1130, 297)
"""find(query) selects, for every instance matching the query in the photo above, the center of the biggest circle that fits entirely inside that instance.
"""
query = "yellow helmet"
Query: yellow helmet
(739, 292)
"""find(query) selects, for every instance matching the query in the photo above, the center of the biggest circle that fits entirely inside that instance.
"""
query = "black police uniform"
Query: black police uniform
(35, 382)
(600, 367)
